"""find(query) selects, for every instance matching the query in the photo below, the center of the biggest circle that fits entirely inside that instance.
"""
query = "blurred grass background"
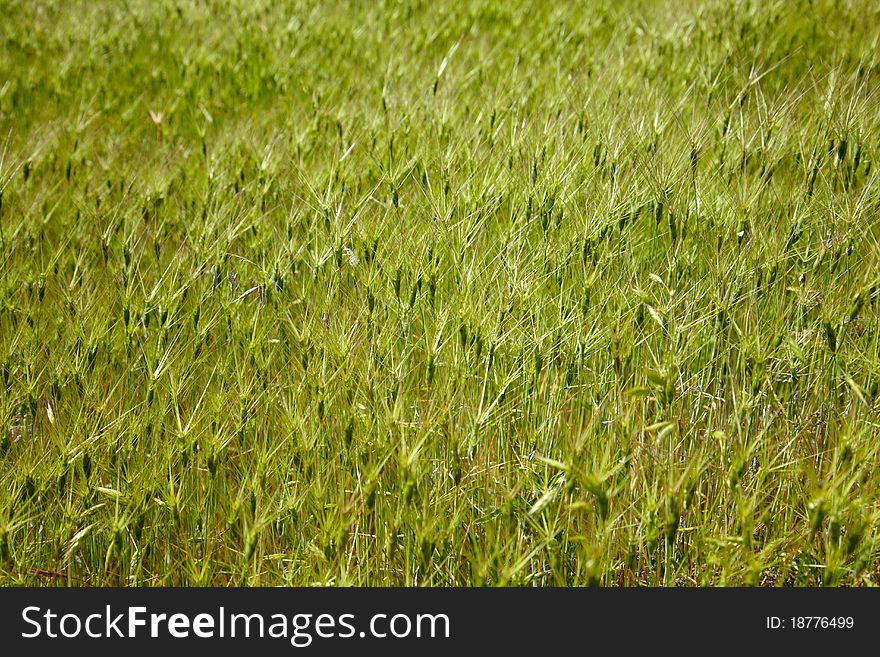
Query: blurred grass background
(449, 293)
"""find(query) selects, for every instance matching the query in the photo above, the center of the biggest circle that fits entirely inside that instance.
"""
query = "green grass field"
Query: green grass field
(439, 293)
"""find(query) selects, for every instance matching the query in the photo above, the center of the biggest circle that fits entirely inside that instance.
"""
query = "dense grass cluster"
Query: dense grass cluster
(439, 293)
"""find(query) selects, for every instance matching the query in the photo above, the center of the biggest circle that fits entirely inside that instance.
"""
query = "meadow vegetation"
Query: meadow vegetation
(461, 292)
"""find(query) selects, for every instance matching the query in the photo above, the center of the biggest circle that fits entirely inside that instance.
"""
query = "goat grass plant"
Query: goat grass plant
(439, 293)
